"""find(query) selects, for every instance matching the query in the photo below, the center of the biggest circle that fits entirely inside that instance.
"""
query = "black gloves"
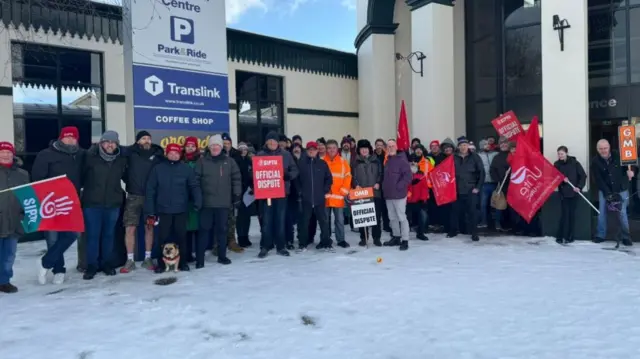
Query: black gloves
(415, 181)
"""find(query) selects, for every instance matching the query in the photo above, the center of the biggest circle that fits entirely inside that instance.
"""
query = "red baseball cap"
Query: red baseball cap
(172, 147)
(312, 144)
(69, 131)
(7, 146)
(434, 142)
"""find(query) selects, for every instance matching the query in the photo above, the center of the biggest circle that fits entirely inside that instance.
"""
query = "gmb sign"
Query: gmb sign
(179, 59)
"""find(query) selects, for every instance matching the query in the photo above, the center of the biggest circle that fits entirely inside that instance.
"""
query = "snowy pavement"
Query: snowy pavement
(503, 297)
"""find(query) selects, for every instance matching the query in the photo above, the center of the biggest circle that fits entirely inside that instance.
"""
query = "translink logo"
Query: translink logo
(155, 86)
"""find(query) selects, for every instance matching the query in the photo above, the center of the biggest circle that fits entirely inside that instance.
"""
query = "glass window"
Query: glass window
(486, 69)
(523, 61)
(246, 86)
(519, 13)
(81, 102)
(634, 42)
(270, 88)
(80, 67)
(484, 18)
(607, 48)
(259, 106)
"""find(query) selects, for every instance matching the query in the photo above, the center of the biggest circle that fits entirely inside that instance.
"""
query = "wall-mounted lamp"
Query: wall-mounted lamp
(560, 25)
(418, 55)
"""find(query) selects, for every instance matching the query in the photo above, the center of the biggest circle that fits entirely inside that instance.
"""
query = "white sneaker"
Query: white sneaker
(58, 278)
(42, 272)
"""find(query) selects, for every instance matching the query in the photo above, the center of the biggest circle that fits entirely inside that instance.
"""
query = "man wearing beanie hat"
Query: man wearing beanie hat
(102, 196)
(221, 185)
(274, 216)
(170, 185)
(142, 157)
(11, 175)
(62, 157)
(297, 139)
(322, 147)
(367, 172)
(283, 141)
(470, 178)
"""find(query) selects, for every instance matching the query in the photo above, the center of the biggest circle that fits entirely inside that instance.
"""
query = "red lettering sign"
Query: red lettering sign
(268, 177)
(507, 125)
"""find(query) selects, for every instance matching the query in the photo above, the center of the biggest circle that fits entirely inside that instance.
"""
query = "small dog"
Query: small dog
(171, 257)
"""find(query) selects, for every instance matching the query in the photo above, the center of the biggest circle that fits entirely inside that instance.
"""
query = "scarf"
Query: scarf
(191, 156)
(108, 156)
(68, 149)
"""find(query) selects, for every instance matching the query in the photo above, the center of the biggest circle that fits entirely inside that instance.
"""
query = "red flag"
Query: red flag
(50, 205)
(443, 181)
(533, 180)
(402, 138)
(533, 134)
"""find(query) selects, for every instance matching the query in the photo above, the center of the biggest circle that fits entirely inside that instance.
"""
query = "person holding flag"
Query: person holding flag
(575, 179)
(11, 175)
(63, 157)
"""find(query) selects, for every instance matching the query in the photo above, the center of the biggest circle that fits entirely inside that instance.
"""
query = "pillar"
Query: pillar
(437, 111)
(377, 87)
(6, 87)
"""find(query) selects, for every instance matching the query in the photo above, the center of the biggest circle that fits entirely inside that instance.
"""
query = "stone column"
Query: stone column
(6, 86)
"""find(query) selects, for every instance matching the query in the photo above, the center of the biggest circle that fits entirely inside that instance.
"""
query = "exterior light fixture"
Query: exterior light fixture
(560, 25)
(418, 55)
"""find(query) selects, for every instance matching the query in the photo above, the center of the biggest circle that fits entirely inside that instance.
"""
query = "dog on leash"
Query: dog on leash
(171, 257)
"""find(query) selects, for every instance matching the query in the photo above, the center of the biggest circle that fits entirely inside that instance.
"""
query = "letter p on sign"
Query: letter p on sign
(628, 145)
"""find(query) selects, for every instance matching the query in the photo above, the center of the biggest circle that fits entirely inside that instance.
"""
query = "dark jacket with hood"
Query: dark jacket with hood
(58, 160)
(397, 177)
(219, 179)
(11, 212)
(610, 177)
(140, 163)
(169, 187)
(102, 179)
(469, 172)
(288, 164)
(572, 169)
(499, 167)
(441, 156)
(367, 172)
(314, 180)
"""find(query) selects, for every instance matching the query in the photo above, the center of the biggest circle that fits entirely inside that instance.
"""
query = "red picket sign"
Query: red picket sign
(268, 177)
(507, 125)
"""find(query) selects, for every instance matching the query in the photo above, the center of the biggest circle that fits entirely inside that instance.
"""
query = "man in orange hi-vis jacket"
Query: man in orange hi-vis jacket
(335, 200)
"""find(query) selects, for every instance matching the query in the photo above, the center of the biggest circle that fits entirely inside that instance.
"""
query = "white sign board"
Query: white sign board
(363, 214)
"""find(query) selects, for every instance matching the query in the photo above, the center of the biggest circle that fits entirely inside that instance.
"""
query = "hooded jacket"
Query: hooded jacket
(139, 165)
(397, 177)
(53, 162)
(102, 179)
(11, 212)
(367, 172)
(169, 187)
(572, 169)
(219, 179)
(314, 181)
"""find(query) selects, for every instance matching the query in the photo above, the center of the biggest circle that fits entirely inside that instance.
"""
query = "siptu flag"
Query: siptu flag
(402, 138)
(50, 205)
(443, 182)
(533, 180)
(533, 134)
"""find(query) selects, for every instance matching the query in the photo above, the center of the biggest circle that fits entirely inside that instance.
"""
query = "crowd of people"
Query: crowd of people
(194, 198)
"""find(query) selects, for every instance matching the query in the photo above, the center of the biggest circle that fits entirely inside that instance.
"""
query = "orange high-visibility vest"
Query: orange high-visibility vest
(341, 173)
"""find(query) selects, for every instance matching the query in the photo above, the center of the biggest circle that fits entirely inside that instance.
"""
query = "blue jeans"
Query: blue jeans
(622, 216)
(273, 223)
(100, 225)
(485, 198)
(57, 244)
(8, 248)
(338, 221)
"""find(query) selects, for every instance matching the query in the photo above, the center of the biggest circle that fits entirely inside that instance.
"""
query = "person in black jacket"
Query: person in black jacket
(469, 180)
(293, 202)
(63, 157)
(103, 170)
(142, 157)
(612, 180)
(170, 184)
(314, 182)
(232, 245)
(573, 174)
(380, 152)
(243, 222)
(499, 168)
(367, 172)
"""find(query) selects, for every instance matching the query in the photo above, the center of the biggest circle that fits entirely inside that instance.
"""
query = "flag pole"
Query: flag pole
(32, 183)
(583, 197)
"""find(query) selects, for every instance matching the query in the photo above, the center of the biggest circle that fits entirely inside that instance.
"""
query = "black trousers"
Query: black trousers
(192, 237)
(243, 221)
(311, 216)
(465, 206)
(172, 228)
(567, 218)
(212, 220)
(376, 231)
(313, 224)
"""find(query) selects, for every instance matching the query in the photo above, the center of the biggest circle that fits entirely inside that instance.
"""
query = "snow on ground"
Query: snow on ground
(503, 297)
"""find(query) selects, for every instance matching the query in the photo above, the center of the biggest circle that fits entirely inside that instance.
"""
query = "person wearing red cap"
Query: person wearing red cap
(170, 185)
(314, 182)
(62, 157)
(191, 155)
(11, 175)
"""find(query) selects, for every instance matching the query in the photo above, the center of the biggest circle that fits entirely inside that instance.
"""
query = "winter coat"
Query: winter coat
(487, 157)
(397, 177)
(220, 180)
(367, 172)
(193, 221)
(419, 192)
(341, 173)
(140, 163)
(572, 169)
(314, 181)
(469, 172)
(425, 165)
(102, 180)
(53, 162)
(437, 159)
(233, 153)
(610, 177)
(288, 165)
(499, 167)
(245, 164)
(169, 186)
(11, 212)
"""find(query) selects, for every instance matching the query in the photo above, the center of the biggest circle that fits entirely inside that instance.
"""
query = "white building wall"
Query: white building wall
(361, 14)
(402, 17)
(6, 102)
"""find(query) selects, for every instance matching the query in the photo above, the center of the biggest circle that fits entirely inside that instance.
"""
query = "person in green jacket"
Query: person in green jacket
(191, 155)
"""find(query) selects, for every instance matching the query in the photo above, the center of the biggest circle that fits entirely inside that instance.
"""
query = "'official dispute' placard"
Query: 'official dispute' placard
(268, 177)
